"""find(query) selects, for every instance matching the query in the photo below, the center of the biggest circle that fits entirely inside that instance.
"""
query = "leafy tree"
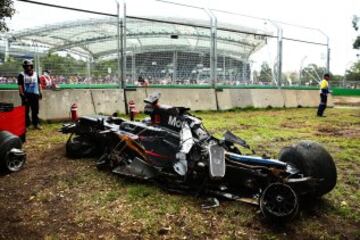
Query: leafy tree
(336, 78)
(312, 73)
(101, 68)
(265, 73)
(356, 23)
(65, 66)
(11, 68)
(353, 74)
(290, 78)
(6, 11)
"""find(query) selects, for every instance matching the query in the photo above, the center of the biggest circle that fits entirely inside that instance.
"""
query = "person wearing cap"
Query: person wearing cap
(30, 93)
(324, 91)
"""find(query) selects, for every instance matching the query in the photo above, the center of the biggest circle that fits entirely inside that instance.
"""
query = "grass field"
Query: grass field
(57, 198)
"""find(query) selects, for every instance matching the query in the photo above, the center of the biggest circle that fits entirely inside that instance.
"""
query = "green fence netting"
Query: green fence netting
(335, 91)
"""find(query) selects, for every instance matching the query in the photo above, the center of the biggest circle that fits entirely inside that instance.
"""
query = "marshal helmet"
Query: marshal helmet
(27, 62)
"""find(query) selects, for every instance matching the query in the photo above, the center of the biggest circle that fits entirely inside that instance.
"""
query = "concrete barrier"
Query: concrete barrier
(107, 101)
(234, 98)
(307, 98)
(290, 98)
(263, 98)
(196, 99)
(56, 104)
(10, 96)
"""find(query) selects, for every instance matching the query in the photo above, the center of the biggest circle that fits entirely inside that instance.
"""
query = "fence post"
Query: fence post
(133, 67)
(328, 53)
(88, 66)
(175, 60)
(123, 54)
(214, 50)
(279, 52)
(213, 53)
(224, 69)
(7, 50)
(213, 47)
(327, 50)
(118, 43)
(122, 49)
(36, 58)
(279, 56)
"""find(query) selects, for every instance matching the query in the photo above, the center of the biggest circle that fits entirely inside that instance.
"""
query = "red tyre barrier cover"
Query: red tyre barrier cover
(13, 121)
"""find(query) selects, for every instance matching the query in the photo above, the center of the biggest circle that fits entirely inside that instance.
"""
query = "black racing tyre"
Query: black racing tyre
(279, 202)
(9, 141)
(312, 160)
(79, 147)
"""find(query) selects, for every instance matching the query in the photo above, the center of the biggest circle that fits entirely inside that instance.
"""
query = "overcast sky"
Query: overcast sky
(332, 17)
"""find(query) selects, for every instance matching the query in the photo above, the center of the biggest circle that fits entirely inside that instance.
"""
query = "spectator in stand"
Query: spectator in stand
(45, 80)
(142, 81)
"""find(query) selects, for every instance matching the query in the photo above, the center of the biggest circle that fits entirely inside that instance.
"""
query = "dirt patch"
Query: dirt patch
(33, 206)
(293, 124)
(338, 132)
(346, 101)
(240, 126)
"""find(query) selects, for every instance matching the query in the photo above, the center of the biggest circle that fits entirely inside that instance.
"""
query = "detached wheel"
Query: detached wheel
(313, 160)
(79, 147)
(12, 158)
(279, 202)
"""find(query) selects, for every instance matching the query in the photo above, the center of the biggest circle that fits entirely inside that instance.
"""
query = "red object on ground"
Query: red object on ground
(74, 115)
(14, 121)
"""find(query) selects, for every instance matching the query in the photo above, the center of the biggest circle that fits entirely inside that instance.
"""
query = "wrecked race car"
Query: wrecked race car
(173, 149)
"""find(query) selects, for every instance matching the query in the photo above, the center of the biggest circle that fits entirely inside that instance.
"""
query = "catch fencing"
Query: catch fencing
(186, 45)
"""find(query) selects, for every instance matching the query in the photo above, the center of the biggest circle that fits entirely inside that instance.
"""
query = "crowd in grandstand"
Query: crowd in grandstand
(8, 80)
(60, 79)
(51, 80)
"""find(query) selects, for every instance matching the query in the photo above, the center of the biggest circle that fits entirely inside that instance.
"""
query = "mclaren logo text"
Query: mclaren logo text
(173, 121)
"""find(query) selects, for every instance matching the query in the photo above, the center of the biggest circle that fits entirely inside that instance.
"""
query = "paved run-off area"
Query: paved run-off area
(57, 198)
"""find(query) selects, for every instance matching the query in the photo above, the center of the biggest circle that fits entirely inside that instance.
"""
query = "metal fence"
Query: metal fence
(187, 45)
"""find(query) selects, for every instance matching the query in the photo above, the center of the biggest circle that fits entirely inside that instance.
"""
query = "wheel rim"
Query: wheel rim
(14, 163)
(279, 200)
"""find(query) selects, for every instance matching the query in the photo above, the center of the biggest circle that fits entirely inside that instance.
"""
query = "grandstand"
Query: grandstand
(161, 50)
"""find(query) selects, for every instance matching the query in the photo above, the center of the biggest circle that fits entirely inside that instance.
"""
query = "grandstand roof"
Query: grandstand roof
(98, 37)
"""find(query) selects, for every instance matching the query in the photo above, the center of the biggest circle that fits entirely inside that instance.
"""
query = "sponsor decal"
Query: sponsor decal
(173, 121)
